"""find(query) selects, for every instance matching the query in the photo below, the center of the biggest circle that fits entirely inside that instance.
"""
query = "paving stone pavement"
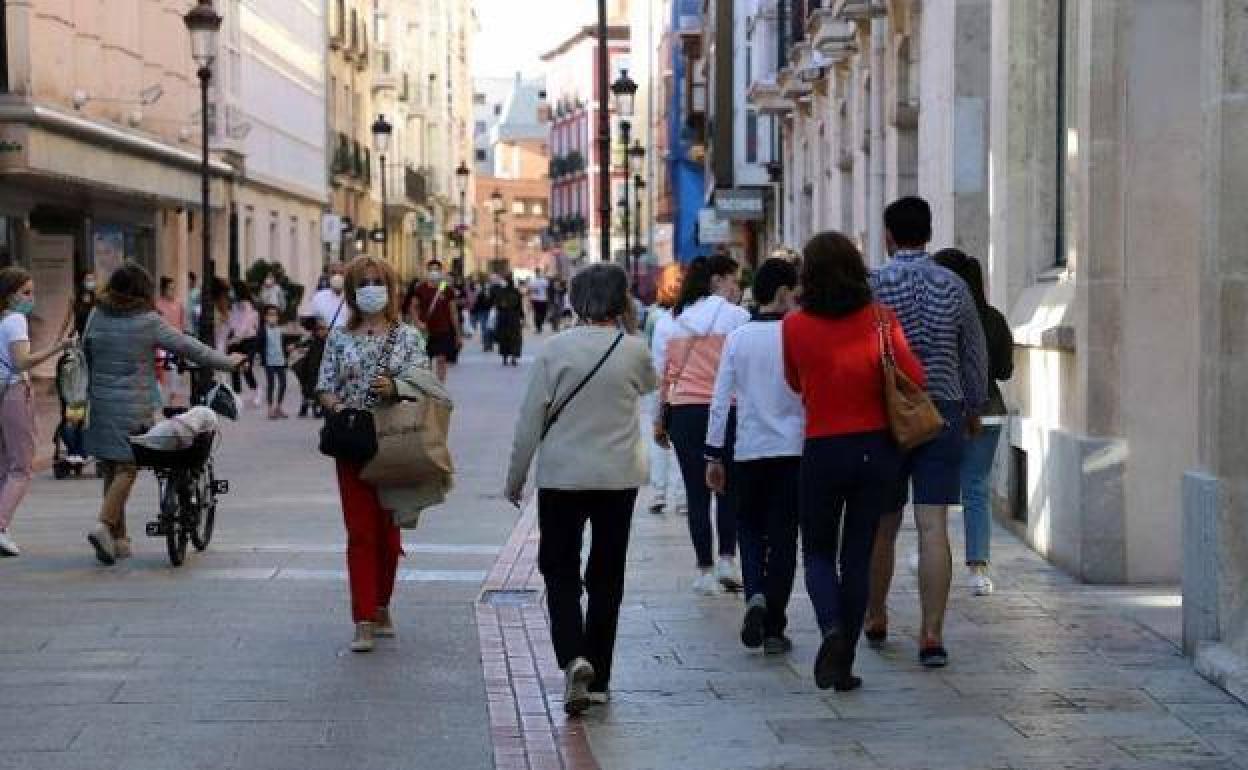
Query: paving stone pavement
(1046, 673)
(239, 660)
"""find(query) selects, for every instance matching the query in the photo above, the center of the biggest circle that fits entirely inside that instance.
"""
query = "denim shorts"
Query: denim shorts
(935, 469)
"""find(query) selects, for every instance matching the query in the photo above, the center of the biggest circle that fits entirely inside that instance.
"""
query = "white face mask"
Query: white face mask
(336, 282)
(372, 299)
(434, 276)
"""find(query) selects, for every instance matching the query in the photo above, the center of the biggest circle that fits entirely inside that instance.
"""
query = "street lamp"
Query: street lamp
(203, 23)
(624, 89)
(639, 185)
(381, 141)
(461, 180)
(496, 207)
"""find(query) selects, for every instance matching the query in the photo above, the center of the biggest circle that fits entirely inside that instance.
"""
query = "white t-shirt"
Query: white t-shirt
(539, 289)
(13, 328)
(325, 305)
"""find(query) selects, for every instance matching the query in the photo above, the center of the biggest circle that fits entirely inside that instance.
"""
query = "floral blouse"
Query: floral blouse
(350, 362)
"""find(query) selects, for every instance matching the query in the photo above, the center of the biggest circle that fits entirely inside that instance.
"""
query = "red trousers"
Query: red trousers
(373, 545)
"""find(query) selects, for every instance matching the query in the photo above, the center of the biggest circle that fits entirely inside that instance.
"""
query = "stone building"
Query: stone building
(1090, 155)
(349, 112)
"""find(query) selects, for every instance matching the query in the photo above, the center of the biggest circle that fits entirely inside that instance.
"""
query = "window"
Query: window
(481, 156)
(537, 209)
(517, 207)
(274, 243)
(498, 110)
(479, 127)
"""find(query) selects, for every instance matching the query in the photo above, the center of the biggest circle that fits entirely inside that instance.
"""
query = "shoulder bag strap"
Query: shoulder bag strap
(554, 415)
(887, 355)
(383, 361)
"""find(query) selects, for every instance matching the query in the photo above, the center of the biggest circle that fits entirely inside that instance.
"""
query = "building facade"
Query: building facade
(576, 158)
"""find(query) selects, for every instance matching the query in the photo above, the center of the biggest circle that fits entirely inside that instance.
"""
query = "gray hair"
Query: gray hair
(600, 292)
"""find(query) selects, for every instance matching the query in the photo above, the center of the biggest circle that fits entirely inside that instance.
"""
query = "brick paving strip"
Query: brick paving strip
(523, 683)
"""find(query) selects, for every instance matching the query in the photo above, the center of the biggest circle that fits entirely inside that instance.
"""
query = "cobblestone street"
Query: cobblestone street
(238, 660)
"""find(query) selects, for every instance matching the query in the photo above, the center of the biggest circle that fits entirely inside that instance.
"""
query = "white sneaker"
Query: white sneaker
(579, 676)
(980, 582)
(365, 636)
(727, 574)
(7, 546)
(707, 584)
(102, 541)
(913, 561)
(599, 698)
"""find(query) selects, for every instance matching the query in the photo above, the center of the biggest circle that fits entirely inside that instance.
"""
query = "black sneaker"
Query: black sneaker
(934, 656)
(752, 626)
(777, 645)
(829, 662)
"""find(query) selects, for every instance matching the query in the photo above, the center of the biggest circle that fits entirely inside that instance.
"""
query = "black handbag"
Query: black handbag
(350, 434)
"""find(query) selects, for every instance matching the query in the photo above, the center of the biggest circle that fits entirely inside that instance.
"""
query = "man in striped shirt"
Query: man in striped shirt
(942, 325)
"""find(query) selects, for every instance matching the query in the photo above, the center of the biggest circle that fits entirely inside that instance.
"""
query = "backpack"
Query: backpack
(73, 372)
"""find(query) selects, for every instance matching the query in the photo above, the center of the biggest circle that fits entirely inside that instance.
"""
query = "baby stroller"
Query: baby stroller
(68, 453)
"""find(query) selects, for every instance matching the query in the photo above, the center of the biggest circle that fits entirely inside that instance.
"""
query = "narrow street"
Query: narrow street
(239, 659)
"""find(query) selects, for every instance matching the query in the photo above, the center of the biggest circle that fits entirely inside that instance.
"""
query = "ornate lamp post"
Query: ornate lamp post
(203, 23)
(496, 208)
(624, 89)
(461, 181)
(636, 157)
(381, 141)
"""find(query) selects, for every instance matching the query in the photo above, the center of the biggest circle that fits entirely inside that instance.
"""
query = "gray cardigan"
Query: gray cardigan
(597, 442)
(120, 346)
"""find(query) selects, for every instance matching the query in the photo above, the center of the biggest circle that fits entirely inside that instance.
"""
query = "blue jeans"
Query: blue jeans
(850, 478)
(976, 501)
(687, 428)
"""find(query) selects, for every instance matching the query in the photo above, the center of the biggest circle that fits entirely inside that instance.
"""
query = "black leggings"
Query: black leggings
(688, 433)
(275, 377)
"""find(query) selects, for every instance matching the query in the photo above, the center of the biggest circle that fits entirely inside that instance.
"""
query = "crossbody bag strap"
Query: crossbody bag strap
(554, 415)
(887, 354)
(381, 369)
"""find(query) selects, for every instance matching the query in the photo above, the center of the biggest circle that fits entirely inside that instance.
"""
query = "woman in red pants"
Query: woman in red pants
(353, 376)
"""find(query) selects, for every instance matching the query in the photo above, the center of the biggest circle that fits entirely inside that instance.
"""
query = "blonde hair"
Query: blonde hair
(357, 271)
(667, 287)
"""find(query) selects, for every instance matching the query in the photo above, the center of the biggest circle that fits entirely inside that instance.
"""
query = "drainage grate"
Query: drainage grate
(509, 598)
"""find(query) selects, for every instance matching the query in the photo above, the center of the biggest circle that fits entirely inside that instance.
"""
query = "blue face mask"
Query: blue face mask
(24, 306)
(372, 299)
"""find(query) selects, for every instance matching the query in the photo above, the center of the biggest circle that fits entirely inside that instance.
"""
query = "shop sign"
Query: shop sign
(740, 205)
(712, 229)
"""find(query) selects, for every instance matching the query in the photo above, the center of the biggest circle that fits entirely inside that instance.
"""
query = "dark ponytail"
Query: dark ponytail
(697, 283)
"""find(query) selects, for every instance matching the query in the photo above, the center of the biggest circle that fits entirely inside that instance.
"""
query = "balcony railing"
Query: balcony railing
(566, 165)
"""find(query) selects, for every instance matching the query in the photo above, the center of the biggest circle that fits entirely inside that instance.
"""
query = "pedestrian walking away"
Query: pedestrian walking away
(482, 303)
(580, 416)
(17, 402)
(509, 322)
(666, 485)
(431, 305)
(687, 350)
(539, 298)
(272, 351)
(373, 358)
(939, 318)
(121, 335)
(242, 326)
(767, 453)
(981, 445)
(833, 355)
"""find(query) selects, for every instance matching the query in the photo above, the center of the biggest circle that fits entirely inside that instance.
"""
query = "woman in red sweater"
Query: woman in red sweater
(832, 358)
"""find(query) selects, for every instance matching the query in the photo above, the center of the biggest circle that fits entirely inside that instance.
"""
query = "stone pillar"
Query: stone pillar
(1215, 602)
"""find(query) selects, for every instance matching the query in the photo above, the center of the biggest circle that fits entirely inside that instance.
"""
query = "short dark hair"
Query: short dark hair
(772, 275)
(165, 283)
(909, 221)
(271, 307)
(835, 282)
(12, 279)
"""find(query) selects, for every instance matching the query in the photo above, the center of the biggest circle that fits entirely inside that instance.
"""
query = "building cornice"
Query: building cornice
(615, 33)
(39, 116)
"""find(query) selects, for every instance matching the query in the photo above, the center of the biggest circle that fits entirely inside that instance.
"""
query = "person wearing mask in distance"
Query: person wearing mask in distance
(17, 403)
(939, 318)
(80, 309)
(328, 303)
(581, 417)
(833, 351)
(767, 456)
(687, 348)
(431, 306)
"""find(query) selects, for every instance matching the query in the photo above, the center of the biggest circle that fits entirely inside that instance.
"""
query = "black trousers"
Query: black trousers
(687, 427)
(767, 516)
(561, 518)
